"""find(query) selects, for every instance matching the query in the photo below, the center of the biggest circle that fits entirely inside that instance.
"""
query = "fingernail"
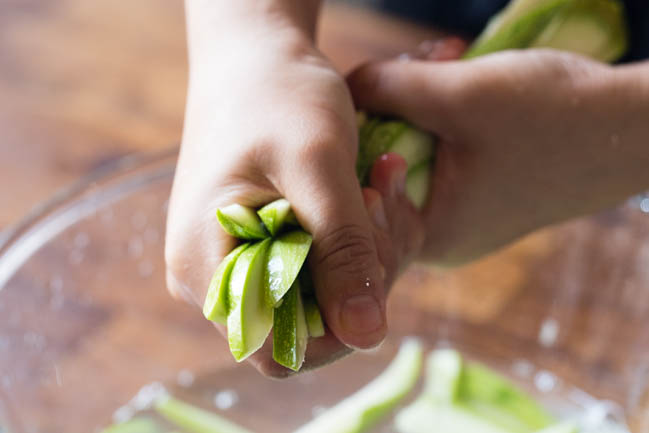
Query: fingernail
(398, 182)
(361, 314)
(377, 212)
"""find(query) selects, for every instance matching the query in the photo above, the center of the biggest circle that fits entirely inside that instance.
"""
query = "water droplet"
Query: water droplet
(123, 414)
(75, 257)
(34, 340)
(57, 301)
(545, 381)
(548, 332)
(367, 282)
(6, 382)
(275, 268)
(135, 247)
(185, 378)
(56, 283)
(404, 57)
(57, 375)
(318, 409)
(644, 205)
(147, 395)
(523, 368)
(145, 269)
(106, 216)
(81, 240)
(151, 235)
(138, 220)
(226, 399)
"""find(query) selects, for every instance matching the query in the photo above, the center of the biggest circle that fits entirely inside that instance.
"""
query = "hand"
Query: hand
(399, 229)
(527, 139)
(278, 122)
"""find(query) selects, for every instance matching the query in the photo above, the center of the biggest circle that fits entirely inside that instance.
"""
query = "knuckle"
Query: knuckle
(173, 257)
(348, 249)
(325, 135)
(366, 79)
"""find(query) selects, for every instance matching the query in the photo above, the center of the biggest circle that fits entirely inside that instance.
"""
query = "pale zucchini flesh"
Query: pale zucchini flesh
(516, 31)
(314, 322)
(241, 222)
(250, 318)
(418, 184)
(594, 28)
(194, 420)
(493, 397)
(563, 427)
(362, 410)
(215, 307)
(286, 257)
(444, 373)
(414, 146)
(276, 215)
(424, 417)
(135, 425)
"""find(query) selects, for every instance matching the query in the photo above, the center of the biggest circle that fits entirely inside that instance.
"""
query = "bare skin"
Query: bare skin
(528, 139)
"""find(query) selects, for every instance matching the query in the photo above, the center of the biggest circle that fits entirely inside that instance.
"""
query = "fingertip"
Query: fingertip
(363, 320)
(450, 48)
(178, 290)
(388, 175)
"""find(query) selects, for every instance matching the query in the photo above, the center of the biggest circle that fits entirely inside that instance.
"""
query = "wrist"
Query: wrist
(232, 28)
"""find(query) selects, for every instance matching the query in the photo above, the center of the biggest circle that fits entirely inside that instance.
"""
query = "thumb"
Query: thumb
(416, 90)
(348, 278)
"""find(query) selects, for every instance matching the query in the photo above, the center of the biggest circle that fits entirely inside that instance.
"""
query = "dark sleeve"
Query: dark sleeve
(637, 12)
(464, 17)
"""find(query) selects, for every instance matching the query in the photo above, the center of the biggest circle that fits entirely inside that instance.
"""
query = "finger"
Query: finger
(320, 352)
(441, 50)
(419, 91)
(326, 196)
(179, 291)
(381, 232)
(388, 177)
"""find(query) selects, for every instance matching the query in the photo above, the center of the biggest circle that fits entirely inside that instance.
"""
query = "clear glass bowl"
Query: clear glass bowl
(85, 320)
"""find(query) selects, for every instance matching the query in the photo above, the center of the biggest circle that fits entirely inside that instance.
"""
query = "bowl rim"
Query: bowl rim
(21, 239)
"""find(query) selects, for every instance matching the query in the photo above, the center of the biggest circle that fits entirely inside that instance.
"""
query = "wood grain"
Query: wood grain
(83, 83)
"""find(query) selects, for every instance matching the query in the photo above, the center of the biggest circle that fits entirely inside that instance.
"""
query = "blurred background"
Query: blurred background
(86, 84)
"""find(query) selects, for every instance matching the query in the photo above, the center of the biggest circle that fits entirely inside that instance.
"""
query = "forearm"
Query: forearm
(224, 25)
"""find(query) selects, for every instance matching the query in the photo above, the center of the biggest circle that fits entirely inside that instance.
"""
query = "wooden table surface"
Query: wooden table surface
(83, 83)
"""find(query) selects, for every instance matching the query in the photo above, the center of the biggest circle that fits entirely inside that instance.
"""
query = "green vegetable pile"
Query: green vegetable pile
(262, 284)
(457, 397)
